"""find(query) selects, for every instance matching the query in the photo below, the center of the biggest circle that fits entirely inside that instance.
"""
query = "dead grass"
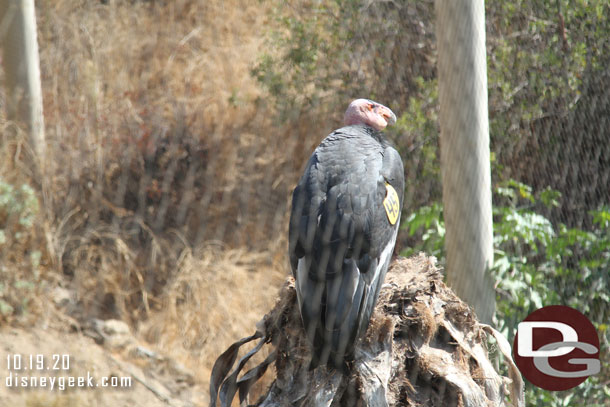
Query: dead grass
(154, 114)
(215, 297)
(155, 142)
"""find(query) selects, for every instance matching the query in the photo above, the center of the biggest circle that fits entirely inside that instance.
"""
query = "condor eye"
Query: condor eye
(371, 106)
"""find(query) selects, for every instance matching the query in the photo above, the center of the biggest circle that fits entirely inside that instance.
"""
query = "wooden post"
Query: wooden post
(465, 166)
(22, 68)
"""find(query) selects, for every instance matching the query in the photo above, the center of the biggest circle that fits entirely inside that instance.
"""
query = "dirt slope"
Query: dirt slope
(155, 380)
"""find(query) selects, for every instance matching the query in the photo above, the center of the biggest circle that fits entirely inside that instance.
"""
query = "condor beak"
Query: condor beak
(388, 115)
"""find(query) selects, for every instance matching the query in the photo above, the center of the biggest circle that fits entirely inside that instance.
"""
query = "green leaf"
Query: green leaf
(550, 197)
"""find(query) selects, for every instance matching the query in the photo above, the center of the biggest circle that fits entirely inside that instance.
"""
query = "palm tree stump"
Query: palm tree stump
(424, 347)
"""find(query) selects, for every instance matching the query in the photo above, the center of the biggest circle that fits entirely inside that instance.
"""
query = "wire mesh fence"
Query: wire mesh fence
(176, 132)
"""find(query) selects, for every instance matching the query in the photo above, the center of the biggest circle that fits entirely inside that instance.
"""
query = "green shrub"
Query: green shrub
(17, 204)
(536, 264)
(19, 259)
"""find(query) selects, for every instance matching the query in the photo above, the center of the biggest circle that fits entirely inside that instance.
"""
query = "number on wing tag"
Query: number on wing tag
(390, 203)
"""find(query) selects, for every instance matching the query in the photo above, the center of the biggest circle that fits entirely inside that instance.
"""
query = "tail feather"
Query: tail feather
(336, 309)
(334, 330)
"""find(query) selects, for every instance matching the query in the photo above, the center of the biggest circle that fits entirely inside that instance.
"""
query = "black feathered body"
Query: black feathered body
(341, 238)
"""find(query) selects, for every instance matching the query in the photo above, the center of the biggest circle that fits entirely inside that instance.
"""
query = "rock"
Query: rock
(62, 297)
(112, 333)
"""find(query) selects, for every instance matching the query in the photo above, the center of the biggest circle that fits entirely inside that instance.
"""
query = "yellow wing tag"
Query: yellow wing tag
(390, 203)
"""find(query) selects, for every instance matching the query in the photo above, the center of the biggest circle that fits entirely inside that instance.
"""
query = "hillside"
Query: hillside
(142, 212)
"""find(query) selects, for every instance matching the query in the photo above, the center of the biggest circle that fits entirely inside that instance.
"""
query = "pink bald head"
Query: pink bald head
(365, 111)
